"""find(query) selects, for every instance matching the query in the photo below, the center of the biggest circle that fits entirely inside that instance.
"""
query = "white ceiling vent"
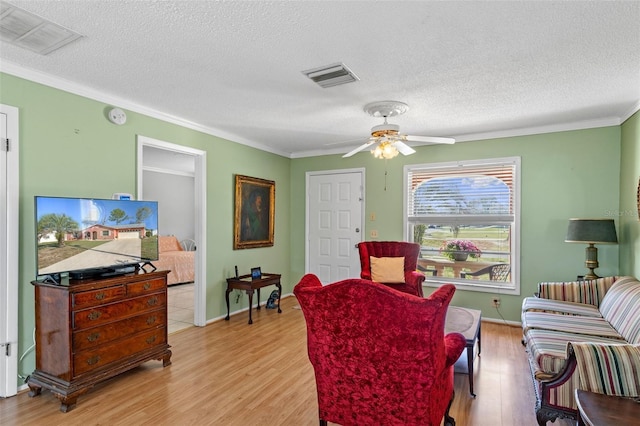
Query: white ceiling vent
(331, 75)
(29, 31)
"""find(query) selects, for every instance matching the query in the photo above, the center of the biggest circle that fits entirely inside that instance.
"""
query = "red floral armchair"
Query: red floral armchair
(382, 249)
(373, 366)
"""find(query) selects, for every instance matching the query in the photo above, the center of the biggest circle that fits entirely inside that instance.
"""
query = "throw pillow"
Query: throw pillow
(389, 270)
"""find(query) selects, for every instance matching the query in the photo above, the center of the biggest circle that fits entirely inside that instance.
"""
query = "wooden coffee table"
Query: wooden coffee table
(595, 409)
(466, 322)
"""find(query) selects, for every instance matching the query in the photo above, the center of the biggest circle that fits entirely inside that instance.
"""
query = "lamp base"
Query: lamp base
(591, 275)
(591, 261)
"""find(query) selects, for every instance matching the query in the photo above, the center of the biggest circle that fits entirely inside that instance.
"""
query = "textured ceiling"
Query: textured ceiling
(468, 70)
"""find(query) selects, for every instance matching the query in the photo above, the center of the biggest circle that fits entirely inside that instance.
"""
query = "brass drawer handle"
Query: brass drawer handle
(94, 315)
(93, 337)
(147, 285)
(93, 360)
(152, 301)
(100, 296)
(151, 320)
(151, 339)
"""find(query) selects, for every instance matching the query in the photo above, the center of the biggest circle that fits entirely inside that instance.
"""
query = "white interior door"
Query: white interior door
(8, 251)
(335, 218)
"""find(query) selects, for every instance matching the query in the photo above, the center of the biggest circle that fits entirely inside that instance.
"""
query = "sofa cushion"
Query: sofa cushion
(537, 304)
(621, 307)
(590, 326)
(608, 369)
(589, 291)
(548, 349)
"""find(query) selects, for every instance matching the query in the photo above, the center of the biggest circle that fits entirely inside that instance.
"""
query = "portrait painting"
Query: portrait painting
(254, 212)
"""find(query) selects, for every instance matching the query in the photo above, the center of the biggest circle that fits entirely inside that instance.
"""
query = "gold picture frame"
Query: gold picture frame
(638, 198)
(255, 204)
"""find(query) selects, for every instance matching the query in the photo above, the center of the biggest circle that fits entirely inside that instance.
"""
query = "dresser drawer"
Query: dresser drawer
(99, 315)
(142, 287)
(98, 297)
(93, 359)
(96, 336)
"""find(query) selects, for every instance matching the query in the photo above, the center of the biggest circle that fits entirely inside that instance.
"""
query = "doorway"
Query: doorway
(176, 160)
(334, 223)
(9, 250)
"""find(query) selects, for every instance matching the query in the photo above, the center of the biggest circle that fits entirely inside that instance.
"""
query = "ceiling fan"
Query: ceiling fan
(386, 141)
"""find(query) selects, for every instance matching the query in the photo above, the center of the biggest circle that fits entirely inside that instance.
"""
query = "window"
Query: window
(105, 233)
(465, 215)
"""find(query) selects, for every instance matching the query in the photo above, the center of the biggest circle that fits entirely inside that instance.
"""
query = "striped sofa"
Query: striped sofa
(603, 311)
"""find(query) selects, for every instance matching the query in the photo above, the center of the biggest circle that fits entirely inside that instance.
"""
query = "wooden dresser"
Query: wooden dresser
(95, 329)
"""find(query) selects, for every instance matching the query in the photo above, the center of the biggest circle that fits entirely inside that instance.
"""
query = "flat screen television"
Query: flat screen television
(90, 237)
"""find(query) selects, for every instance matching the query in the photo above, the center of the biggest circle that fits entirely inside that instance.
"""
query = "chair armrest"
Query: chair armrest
(589, 291)
(454, 344)
(610, 369)
(415, 280)
(414, 277)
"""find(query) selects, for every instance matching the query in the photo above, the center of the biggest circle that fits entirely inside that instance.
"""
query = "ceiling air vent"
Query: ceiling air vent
(331, 75)
(29, 31)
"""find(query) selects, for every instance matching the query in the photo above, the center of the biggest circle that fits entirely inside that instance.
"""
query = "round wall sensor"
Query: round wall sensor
(117, 116)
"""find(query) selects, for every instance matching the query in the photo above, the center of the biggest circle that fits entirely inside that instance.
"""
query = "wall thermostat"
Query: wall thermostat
(117, 116)
(121, 196)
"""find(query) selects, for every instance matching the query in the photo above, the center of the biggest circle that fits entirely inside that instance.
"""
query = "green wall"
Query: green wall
(69, 148)
(629, 225)
(563, 175)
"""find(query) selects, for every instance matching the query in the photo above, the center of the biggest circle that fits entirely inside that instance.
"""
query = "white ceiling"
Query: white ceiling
(468, 70)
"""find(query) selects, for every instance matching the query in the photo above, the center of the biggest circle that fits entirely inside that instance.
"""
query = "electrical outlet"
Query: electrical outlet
(374, 234)
(372, 216)
(495, 300)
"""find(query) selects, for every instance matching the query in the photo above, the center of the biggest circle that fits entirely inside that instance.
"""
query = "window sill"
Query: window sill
(477, 286)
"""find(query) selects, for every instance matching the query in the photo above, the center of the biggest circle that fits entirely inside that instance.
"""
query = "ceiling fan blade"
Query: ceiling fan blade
(430, 139)
(358, 149)
(403, 148)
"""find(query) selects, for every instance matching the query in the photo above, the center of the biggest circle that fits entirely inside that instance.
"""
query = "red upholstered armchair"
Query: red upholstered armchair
(373, 366)
(410, 251)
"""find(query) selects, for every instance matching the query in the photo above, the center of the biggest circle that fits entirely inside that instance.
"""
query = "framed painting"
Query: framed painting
(255, 205)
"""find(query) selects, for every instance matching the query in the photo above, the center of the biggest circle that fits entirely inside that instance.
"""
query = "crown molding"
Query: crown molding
(635, 108)
(87, 92)
(74, 88)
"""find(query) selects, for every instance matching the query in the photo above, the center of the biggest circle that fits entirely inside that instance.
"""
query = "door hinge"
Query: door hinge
(5, 145)
(7, 348)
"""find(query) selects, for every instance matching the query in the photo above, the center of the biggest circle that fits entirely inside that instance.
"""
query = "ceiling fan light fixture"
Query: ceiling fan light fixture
(385, 129)
(385, 150)
(386, 141)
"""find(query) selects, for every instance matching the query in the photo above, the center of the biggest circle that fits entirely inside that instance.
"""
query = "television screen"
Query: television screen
(78, 234)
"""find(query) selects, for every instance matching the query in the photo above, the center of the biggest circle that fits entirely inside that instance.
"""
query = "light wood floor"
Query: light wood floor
(230, 373)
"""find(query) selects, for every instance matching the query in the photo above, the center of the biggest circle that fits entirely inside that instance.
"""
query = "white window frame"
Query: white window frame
(512, 288)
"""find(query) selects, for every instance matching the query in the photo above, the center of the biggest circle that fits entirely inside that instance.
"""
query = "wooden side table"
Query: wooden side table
(244, 282)
(595, 409)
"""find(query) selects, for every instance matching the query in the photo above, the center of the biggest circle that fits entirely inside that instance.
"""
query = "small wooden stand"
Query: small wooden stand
(244, 282)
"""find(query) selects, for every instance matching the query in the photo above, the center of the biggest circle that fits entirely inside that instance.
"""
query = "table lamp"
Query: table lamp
(591, 231)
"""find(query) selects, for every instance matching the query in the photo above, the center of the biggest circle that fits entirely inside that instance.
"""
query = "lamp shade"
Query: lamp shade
(593, 231)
